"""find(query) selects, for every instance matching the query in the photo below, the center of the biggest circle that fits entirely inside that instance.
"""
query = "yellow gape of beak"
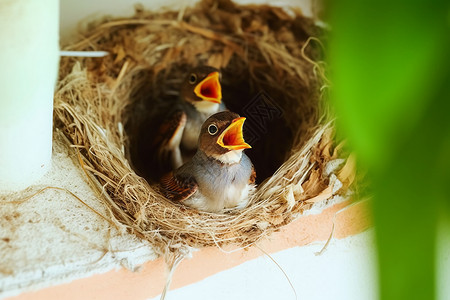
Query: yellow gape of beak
(209, 89)
(232, 137)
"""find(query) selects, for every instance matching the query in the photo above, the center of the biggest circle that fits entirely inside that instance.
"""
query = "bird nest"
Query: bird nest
(271, 74)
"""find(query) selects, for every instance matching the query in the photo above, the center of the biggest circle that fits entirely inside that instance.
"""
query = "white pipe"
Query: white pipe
(83, 53)
(29, 56)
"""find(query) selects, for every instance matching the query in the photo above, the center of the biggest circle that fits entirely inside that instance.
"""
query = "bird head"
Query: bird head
(202, 87)
(221, 137)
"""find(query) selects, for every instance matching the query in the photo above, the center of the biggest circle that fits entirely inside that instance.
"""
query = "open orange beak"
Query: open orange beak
(209, 89)
(232, 137)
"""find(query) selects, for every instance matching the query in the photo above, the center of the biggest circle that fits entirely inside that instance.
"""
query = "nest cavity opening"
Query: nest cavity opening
(271, 75)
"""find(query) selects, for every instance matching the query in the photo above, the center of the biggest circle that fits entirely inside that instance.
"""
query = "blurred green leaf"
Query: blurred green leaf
(391, 52)
(390, 71)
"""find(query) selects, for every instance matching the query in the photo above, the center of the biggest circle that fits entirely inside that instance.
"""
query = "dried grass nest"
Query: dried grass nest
(258, 48)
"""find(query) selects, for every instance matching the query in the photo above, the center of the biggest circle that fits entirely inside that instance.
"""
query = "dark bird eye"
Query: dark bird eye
(212, 129)
(192, 78)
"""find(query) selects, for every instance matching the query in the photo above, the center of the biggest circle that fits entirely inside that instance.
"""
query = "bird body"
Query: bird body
(220, 186)
(219, 176)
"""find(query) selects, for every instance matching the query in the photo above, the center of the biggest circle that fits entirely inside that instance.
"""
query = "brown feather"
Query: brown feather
(178, 188)
(169, 128)
(252, 178)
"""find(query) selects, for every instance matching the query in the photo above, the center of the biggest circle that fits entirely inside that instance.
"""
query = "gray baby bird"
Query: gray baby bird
(220, 175)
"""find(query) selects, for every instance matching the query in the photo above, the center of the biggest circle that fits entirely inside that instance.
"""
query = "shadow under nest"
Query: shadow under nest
(270, 74)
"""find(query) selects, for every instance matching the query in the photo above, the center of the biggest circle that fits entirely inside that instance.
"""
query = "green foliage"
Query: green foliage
(391, 74)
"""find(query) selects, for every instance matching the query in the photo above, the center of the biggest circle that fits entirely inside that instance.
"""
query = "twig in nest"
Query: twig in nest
(171, 264)
(316, 64)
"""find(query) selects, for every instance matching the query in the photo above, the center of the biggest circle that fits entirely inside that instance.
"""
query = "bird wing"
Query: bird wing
(178, 187)
(168, 139)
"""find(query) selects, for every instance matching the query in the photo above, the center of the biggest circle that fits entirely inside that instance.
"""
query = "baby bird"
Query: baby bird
(173, 126)
(220, 175)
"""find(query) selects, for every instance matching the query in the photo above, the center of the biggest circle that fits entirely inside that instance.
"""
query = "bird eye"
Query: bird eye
(212, 129)
(192, 78)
